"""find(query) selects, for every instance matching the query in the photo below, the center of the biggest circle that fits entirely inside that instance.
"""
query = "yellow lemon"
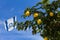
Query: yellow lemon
(35, 15)
(27, 13)
(45, 38)
(39, 21)
(51, 14)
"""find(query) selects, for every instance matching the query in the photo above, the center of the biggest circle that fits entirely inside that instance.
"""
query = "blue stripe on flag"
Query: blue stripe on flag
(14, 19)
(6, 25)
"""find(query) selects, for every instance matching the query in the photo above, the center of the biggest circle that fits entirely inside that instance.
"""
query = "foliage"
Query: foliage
(49, 21)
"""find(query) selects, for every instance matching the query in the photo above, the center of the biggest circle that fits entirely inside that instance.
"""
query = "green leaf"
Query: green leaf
(45, 2)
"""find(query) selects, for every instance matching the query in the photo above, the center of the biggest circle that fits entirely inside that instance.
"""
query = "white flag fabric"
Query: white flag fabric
(9, 24)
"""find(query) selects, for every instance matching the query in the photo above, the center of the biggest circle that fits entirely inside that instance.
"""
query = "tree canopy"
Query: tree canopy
(46, 19)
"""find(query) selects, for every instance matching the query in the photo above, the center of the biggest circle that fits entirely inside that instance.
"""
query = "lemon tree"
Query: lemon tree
(46, 19)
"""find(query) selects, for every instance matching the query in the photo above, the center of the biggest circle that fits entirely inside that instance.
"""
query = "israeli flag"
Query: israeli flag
(9, 24)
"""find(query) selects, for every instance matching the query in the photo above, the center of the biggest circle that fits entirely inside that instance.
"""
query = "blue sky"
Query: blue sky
(10, 8)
